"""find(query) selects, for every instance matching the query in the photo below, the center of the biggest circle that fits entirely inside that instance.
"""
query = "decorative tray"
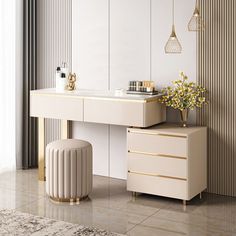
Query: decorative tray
(141, 92)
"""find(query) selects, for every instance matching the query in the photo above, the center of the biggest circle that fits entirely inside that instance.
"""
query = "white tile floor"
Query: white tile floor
(111, 207)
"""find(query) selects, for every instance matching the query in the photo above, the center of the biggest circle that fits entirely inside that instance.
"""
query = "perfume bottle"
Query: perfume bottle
(65, 69)
(61, 80)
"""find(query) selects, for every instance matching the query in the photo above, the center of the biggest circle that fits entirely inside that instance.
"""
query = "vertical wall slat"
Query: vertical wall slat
(216, 71)
(53, 47)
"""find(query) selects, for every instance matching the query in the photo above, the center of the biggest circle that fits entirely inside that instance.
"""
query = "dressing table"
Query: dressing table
(104, 107)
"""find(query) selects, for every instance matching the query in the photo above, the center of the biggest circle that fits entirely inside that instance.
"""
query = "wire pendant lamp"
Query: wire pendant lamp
(173, 45)
(196, 22)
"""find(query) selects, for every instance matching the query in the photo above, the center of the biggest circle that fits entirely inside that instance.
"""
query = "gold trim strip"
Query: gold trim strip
(157, 175)
(96, 98)
(158, 134)
(116, 99)
(171, 177)
(158, 155)
(173, 135)
(142, 173)
(56, 199)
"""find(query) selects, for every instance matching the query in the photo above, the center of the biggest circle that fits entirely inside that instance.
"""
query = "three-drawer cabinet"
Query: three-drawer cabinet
(167, 160)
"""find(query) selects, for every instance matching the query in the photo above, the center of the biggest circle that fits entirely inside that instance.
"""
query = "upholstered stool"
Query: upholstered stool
(68, 170)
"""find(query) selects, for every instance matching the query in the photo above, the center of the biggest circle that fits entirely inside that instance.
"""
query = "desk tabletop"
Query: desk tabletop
(94, 94)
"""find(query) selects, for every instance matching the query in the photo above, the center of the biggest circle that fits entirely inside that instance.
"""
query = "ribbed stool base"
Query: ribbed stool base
(68, 170)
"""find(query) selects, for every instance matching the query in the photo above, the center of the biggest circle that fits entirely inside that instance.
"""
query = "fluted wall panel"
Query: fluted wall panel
(217, 71)
(53, 48)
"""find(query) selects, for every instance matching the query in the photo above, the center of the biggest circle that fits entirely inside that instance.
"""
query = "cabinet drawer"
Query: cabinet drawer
(161, 165)
(157, 143)
(157, 185)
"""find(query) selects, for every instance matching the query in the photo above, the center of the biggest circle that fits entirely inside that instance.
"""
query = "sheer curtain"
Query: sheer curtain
(9, 72)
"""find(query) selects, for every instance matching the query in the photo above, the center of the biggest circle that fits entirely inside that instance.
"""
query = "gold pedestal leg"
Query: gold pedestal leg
(41, 144)
(41, 149)
(200, 195)
(65, 134)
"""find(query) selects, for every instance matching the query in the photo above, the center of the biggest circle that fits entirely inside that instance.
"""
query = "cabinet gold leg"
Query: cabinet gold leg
(200, 195)
(65, 131)
(184, 205)
(41, 149)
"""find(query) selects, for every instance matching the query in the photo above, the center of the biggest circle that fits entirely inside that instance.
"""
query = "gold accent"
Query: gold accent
(152, 100)
(71, 82)
(173, 135)
(64, 129)
(159, 134)
(147, 100)
(196, 22)
(41, 149)
(158, 155)
(142, 173)
(171, 177)
(69, 200)
(173, 45)
(156, 175)
(184, 117)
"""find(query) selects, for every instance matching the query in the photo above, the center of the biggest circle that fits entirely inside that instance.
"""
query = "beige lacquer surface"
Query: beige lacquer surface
(167, 160)
(103, 107)
(98, 107)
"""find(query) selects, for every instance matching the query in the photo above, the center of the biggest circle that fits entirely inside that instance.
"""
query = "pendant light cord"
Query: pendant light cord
(173, 12)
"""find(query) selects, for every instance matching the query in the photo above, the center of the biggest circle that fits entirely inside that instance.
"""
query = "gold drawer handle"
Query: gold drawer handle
(173, 135)
(157, 175)
(158, 134)
(158, 155)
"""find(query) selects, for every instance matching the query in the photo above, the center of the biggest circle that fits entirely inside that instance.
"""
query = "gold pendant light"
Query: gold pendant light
(173, 45)
(196, 22)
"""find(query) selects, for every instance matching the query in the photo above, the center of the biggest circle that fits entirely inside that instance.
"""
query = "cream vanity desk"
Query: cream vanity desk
(92, 106)
(167, 160)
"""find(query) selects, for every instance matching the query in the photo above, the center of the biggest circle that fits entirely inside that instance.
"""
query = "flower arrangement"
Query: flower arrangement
(184, 94)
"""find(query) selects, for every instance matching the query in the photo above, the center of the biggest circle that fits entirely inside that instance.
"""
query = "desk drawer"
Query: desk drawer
(111, 111)
(157, 185)
(162, 165)
(157, 143)
(57, 107)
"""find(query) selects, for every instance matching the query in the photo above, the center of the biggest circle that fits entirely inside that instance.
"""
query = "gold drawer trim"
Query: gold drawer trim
(158, 155)
(158, 134)
(82, 97)
(157, 175)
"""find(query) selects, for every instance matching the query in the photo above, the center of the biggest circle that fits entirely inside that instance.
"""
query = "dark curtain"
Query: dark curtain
(29, 126)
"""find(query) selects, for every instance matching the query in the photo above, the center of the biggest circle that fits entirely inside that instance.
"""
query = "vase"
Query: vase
(184, 117)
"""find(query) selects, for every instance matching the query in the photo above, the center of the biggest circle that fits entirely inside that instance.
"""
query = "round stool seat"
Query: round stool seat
(68, 169)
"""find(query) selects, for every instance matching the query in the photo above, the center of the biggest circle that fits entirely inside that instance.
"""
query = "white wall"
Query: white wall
(10, 69)
(114, 41)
